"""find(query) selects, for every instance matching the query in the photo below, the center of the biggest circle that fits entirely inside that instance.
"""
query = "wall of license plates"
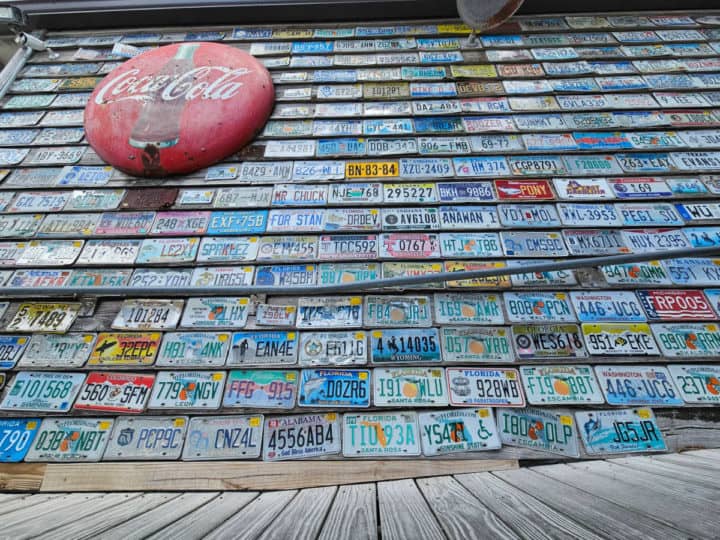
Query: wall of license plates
(392, 151)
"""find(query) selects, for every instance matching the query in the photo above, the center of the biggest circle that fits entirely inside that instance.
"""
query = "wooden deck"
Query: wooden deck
(663, 496)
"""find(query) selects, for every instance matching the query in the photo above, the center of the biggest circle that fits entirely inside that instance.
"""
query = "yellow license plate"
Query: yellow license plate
(483, 283)
(125, 349)
(41, 317)
(372, 169)
(479, 71)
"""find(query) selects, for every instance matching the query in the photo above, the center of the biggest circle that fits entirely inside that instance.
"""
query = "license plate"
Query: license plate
(187, 390)
(230, 312)
(167, 250)
(659, 214)
(38, 201)
(299, 437)
(101, 252)
(348, 247)
(115, 392)
(409, 246)
(125, 224)
(330, 312)
(50, 253)
(19, 226)
(146, 277)
(481, 166)
(652, 240)
(698, 272)
(125, 349)
(702, 236)
(410, 386)
(465, 192)
(296, 221)
(69, 225)
(458, 431)
(407, 345)
(57, 351)
(298, 195)
(698, 384)
(147, 438)
(16, 437)
(620, 431)
(619, 339)
(355, 193)
(93, 199)
(468, 218)
(470, 244)
(220, 249)
(484, 386)
(42, 391)
(588, 215)
(36, 317)
(639, 188)
(263, 389)
(333, 348)
(650, 273)
(70, 439)
(223, 437)
(676, 305)
(193, 349)
(222, 276)
(391, 311)
(148, 315)
(538, 307)
(381, 435)
(500, 282)
(470, 308)
(548, 341)
(263, 349)
(592, 242)
(237, 222)
(99, 278)
(243, 197)
(533, 244)
(352, 219)
(538, 429)
(637, 385)
(551, 385)
(561, 278)
(11, 349)
(699, 212)
(524, 189)
(333, 274)
(295, 275)
(608, 306)
(476, 345)
(373, 169)
(494, 143)
(334, 388)
(39, 278)
(275, 315)
(688, 340)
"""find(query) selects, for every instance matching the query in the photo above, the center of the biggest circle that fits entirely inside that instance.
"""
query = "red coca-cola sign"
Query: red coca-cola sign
(179, 108)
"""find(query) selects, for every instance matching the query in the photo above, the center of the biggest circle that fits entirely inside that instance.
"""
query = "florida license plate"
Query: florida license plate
(333, 348)
(125, 349)
(538, 429)
(688, 340)
(187, 390)
(381, 435)
(409, 387)
(484, 386)
(193, 349)
(223, 437)
(115, 392)
(16, 436)
(466, 430)
(334, 388)
(620, 431)
(551, 385)
(147, 438)
(253, 348)
(638, 385)
(71, 439)
(697, 383)
(261, 389)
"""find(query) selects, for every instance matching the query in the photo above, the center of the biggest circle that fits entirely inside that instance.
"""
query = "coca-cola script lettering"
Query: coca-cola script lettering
(179, 108)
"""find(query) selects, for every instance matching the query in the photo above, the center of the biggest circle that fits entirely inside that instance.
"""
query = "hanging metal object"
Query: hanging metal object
(481, 15)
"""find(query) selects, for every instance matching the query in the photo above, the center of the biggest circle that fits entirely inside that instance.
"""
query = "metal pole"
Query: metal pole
(13, 67)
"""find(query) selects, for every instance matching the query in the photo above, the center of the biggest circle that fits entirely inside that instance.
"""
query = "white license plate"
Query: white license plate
(229, 312)
(115, 392)
(333, 348)
(548, 341)
(484, 387)
(223, 437)
(467, 430)
(187, 390)
(193, 349)
(398, 387)
(588, 215)
(638, 385)
(698, 384)
(58, 350)
(619, 339)
(148, 315)
(381, 435)
(559, 385)
(37, 317)
(538, 429)
(71, 439)
(101, 252)
(607, 306)
(147, 438)
(538, 307)
(332, 312)
(299, 437)
(398, 311)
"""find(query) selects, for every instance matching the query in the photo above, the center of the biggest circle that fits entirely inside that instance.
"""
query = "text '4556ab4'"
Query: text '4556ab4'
(179, 108)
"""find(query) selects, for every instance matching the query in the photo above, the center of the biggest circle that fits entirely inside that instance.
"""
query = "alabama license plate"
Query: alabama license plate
(620, 431)
(548, 341)
(405, 346)
(71, 439)
(381, 435)
(115, 392)
(409, 386)
(301, 436)
(16, 436)
(187, 390)
(466, 430)
(125, 349)
(42, 391)
(538, 429)
(147, 438)
(619, 339)
(698, 384)
(551, 385)
(334, 388)
(638, 385)
(261, 389)
(193, 349)
(344, 348)
(223, 437)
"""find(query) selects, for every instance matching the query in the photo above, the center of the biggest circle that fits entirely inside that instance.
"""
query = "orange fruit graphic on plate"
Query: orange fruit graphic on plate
(397, 314)
(409, 390)
(469, 245)
(476, 347)
(539, 305)
(690, 341)
(713, 385)
(634, 272)
(534, 431)
(216, 312)
(561, 387)
(347, 277)
(467, 311)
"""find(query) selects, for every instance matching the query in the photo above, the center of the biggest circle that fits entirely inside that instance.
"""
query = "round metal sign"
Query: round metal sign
(178, 108)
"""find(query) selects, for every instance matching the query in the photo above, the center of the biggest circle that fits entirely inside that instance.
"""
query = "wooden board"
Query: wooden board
(404, 512)
(670, 470)
(353, 515)
(235, 475)
(21, 476)
(303, 517)
(252, 520)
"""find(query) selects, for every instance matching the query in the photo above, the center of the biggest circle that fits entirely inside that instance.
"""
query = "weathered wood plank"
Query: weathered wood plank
(303, 517)
(670, 470)
(235, 475)
(253, 519)
(353, 515)
(459, 513)
(650, 482)
(603, 517)
(201, 521)
(7, 507)
(148, 522)
(713, 453)
(57, 512)
(21, 476)
(102, 517)
(694, 461)
(529, 517)
(404, 512)
(674, 512)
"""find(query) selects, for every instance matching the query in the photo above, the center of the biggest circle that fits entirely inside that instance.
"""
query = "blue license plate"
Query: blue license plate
(237, 222)
(405, 345)
(334, 388)
(16, 436)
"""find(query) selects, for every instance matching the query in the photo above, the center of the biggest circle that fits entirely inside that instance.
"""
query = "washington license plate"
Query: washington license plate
(638, 385)
(607, 306)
